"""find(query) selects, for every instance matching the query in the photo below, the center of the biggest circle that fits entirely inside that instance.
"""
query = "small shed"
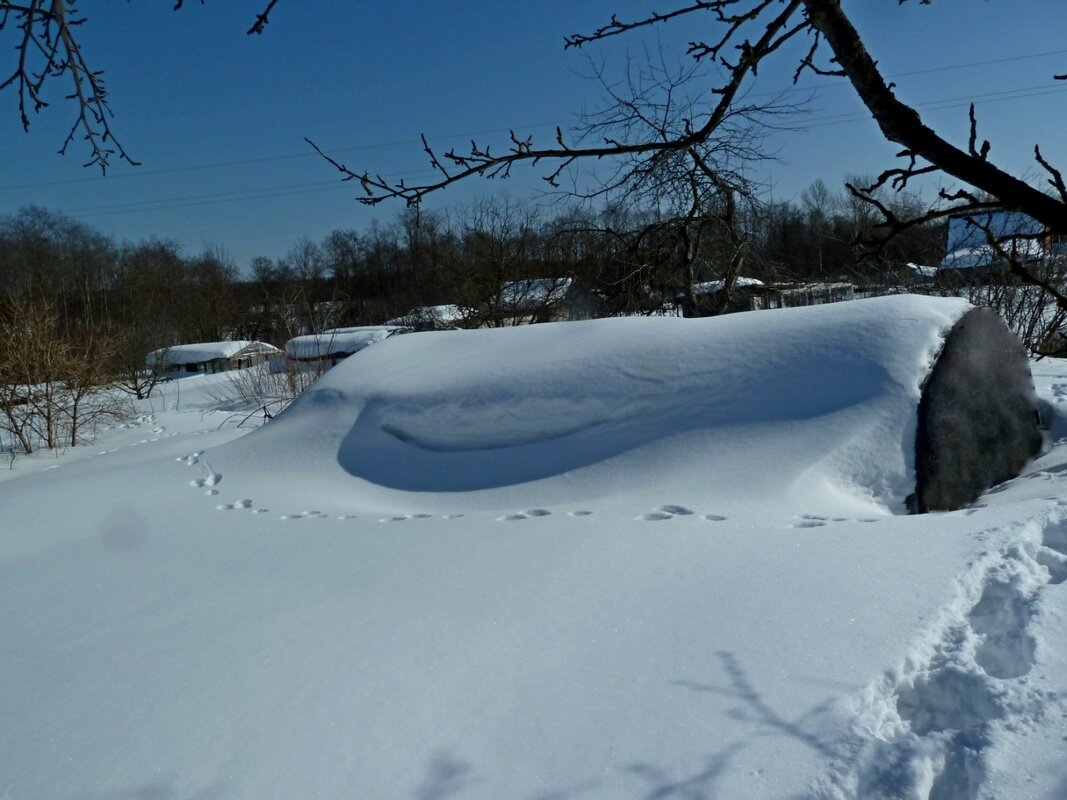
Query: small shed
(333, 346)
(210, 357)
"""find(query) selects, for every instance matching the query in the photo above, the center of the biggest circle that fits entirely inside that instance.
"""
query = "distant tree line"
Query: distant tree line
(152, 294)
(79, 309)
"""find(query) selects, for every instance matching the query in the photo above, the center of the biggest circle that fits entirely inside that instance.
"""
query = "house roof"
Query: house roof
(340, 341)
(710, 287)
(967, 242)
(200, 352)
(442, 315)
(534, 293)
(985, 255)
(973, 229)
(921, 270)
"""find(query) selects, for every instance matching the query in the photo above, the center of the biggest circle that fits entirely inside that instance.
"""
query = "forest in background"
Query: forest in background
(150, 294)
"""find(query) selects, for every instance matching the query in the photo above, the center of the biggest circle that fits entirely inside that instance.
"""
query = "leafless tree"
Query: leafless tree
(53, 385)
(48, 50)
(749, 34)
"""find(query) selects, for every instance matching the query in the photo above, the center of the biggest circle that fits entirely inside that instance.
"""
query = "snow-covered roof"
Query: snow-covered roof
(534, 292)
(435, 316)
(967, 240)
(973, 230)
(340, 341)
(710, 287)
(921, 270)
(985, 255)
(200, 352)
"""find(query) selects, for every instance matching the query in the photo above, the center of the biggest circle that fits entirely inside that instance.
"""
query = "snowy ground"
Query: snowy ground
(653, 558)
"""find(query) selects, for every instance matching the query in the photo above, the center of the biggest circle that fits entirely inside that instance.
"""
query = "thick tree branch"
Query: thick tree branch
(900, 123)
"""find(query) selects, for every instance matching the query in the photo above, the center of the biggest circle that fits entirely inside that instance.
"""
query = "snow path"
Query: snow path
(925, 729)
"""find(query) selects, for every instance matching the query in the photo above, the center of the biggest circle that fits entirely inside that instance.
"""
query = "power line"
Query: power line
(947, 103)
(268, 159)
(269, 192)
(491, 131)
(265, 193)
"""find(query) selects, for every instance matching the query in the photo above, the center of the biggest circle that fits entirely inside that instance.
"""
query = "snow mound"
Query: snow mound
(339, 341)
(797, 400)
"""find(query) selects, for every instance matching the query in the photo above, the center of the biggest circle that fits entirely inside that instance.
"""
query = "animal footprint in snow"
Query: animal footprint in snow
(810, 521)
(676, 511)
(666, 512)
(655, 516)
(240, 504)
(714, 518)
(579, 513)
(211, 480)
(533, 512)
(402, 517)
(305, 515)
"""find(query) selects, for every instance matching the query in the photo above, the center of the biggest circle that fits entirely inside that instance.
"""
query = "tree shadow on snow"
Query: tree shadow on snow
(753, 708)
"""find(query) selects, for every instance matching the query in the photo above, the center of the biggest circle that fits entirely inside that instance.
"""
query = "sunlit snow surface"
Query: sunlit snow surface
(615, 559)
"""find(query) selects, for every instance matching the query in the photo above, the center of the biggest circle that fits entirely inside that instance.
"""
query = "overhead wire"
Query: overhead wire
(135, 173)
(286, 190)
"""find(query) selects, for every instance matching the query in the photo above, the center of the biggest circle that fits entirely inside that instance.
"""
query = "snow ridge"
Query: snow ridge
(924, 729)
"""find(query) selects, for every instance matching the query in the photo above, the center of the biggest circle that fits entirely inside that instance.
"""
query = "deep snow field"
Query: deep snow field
(630, 558)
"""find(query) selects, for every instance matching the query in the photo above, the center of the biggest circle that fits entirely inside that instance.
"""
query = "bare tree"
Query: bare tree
(48, 50)
(750, 33)
(53, 385)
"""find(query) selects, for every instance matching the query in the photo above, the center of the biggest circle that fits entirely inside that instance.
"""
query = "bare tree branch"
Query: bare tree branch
(901, 124)
(262, 18)
(481, 161)
(49, 51)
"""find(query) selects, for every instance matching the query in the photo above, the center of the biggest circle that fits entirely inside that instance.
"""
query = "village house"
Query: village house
(330, 347)
(979, 246)
(431, 318)
(209, 357)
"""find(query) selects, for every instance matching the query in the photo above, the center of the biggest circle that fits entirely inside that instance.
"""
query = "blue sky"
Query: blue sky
(218, 119)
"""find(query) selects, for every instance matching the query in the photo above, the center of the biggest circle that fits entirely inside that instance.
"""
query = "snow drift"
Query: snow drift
(572, 405)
